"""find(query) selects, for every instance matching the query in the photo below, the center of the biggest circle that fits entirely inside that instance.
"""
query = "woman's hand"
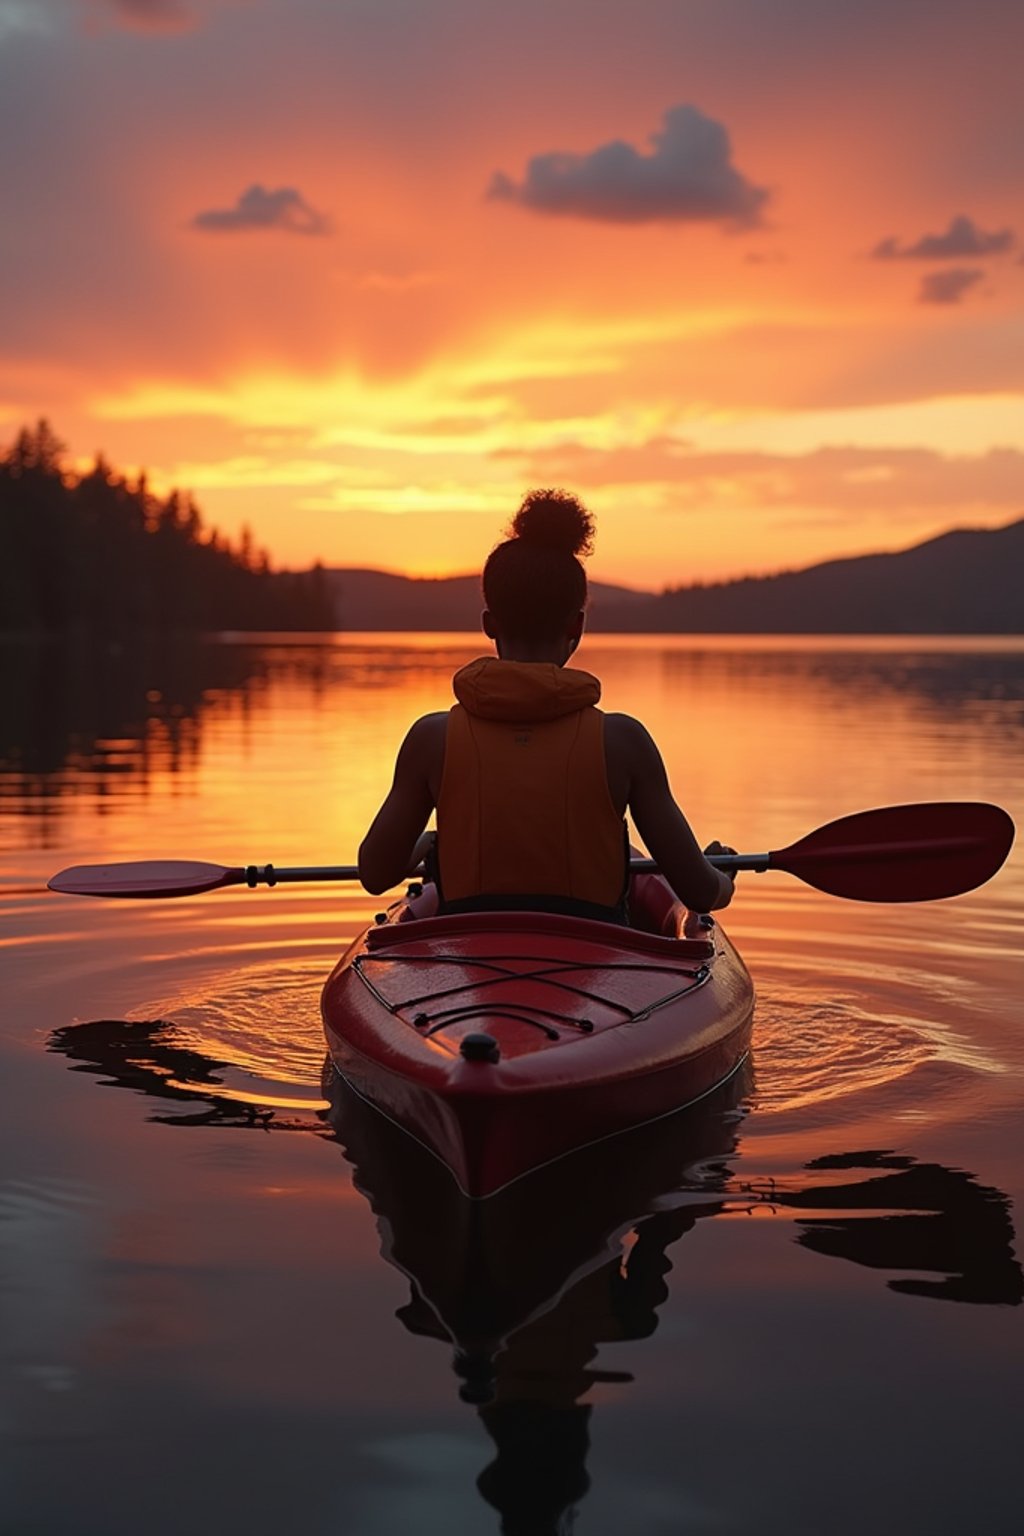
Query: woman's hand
(715, 847)
(419, 861)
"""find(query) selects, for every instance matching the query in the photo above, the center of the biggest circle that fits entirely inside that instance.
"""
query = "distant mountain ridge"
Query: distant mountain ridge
(381, 600)
(967, 581)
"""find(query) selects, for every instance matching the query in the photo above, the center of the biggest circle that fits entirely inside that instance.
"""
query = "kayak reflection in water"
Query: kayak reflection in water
(530, 781)
(527, 1286)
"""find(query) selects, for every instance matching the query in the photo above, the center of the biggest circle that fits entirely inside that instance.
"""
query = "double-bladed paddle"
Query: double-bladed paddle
(895, 853)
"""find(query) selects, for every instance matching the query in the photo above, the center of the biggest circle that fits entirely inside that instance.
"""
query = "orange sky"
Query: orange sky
(359, 274)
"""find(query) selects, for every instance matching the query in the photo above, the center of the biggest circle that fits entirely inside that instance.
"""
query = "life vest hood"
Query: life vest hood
(492, 689)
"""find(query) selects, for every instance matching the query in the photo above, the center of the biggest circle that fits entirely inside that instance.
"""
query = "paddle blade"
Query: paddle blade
(903, 852)
(168, 877)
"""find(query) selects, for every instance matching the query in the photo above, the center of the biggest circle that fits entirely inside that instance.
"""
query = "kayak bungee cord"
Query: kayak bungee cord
(506, 973)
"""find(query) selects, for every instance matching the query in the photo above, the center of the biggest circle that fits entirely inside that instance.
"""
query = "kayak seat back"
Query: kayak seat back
(653, 909)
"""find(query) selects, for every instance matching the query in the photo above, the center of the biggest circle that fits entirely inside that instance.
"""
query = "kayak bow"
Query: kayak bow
(504, 1040)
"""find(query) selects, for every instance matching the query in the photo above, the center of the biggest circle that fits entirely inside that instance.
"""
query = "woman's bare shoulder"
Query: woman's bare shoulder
(631, 758)
(424, 740)
(429, 727)
(423, 749)
(627, 734)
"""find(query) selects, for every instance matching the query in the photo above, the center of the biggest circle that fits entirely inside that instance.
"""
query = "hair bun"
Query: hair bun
(554, 520)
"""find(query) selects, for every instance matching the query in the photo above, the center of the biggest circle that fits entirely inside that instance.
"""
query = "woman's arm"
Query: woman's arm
(392, 848)
(663, 827)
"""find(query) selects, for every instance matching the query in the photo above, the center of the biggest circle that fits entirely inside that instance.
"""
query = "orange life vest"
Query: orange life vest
(524, 815)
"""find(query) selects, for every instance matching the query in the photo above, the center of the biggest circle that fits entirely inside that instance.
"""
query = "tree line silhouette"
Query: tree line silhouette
(95, 553)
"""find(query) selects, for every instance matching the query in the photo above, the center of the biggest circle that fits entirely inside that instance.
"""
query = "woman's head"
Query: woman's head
(535, 588)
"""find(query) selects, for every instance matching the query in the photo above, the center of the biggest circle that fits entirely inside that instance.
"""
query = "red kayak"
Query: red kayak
(504, 1040)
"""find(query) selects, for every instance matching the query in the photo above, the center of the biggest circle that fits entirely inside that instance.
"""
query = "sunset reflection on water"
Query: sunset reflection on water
(163, 1270)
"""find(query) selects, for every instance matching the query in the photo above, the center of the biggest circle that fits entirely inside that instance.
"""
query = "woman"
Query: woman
(530, 780)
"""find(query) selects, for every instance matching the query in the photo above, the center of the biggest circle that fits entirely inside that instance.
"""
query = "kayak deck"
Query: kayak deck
(505, 1040)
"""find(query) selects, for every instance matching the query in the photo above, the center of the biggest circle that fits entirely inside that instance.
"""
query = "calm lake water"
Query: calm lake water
(230, 1305)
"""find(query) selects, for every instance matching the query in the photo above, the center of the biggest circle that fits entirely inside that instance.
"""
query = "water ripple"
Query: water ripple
(262, 1021)
(808, 1053)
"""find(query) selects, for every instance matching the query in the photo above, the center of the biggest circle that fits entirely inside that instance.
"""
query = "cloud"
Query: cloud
(963, 239)
(949, 285)
(260, 208)
(688, 176)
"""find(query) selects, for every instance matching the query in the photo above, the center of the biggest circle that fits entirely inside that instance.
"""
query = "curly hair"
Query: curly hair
(534, 583)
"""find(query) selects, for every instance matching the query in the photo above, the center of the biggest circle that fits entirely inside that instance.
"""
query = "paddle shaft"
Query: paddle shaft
(269, 874)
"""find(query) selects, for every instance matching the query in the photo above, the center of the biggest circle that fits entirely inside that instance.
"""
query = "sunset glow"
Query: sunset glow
(358, 275)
